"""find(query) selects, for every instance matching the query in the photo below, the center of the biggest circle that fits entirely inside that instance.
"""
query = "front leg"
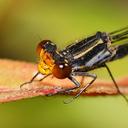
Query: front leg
(77, 84)
(84, 88)
(32, 79)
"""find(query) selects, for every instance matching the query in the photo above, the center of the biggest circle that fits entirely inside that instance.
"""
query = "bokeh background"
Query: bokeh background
(25, 23)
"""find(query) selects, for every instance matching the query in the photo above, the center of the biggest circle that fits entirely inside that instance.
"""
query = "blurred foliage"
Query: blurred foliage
(25, 23)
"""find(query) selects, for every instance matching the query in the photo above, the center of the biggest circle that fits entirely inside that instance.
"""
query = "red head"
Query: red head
(51, 61)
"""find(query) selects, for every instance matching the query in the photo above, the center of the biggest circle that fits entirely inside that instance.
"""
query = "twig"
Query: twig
(14, 73)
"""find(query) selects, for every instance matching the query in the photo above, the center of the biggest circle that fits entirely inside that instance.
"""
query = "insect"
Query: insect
(79, 58)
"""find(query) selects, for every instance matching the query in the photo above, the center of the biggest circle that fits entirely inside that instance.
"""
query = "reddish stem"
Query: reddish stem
(14, 73)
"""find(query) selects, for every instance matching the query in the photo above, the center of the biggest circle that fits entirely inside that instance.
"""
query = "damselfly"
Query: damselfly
(79, 58)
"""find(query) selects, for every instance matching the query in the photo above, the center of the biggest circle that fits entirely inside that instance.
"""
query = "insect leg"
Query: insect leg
(30, 80)
(118, 90)
(33, 79)
(44, 77)
(78, 85)
(87, 85)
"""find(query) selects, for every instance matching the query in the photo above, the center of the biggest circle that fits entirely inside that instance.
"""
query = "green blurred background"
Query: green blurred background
(25, 23)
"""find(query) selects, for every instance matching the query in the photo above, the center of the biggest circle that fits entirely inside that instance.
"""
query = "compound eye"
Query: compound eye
(40, 46)
(61, 71)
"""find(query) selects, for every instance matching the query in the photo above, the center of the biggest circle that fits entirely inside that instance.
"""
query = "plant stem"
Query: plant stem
(14, 73)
